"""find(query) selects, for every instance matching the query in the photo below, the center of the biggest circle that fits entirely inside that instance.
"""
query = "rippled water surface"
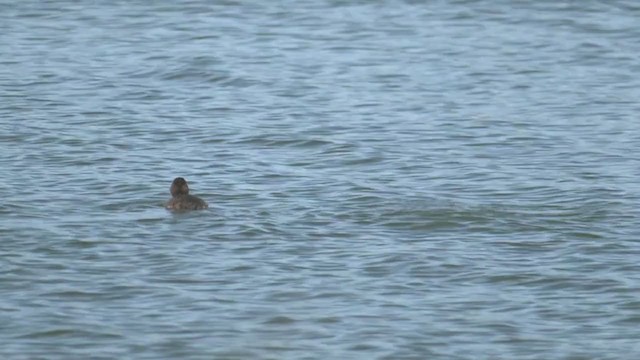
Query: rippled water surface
(387, 180)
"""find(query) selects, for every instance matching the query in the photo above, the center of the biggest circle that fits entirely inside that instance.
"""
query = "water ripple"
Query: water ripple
(387, 180)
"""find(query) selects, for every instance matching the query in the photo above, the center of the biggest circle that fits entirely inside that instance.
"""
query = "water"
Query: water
(387, 180)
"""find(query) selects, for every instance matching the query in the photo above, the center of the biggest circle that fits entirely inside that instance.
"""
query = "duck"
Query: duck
(180, 198)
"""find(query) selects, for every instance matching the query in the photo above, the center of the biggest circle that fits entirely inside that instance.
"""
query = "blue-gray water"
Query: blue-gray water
(387, 179)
